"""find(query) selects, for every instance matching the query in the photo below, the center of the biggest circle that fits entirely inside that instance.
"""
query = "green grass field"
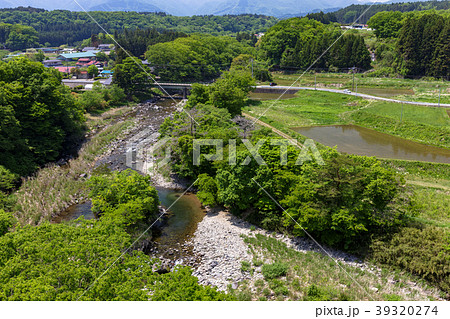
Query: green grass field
(306, 108)
(402, 89)
(427, 125)
(412, 113)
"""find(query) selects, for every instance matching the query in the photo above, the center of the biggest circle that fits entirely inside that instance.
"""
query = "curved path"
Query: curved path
(364, 96)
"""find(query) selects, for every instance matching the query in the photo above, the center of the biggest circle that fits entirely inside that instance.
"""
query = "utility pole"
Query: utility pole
(401, 114)
(353, 78)
(439, 101)
(356, 88)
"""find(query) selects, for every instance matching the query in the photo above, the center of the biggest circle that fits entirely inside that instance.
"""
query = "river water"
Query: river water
(185, 211)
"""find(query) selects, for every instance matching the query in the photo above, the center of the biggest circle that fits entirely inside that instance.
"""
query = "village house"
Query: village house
(52, 63)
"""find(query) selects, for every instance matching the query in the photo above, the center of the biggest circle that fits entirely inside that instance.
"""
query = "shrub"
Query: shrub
(5, 222)
(423, 252)
(275, 270)
(315, 293)
(8, 180)
(127, 196)
(207, 193)
(245, 265)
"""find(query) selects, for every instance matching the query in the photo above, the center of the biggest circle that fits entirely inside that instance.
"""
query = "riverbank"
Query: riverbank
(55, 188)
(233, 254)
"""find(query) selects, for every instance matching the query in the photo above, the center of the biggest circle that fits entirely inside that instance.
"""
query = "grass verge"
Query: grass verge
(53, 188)
(283, 273)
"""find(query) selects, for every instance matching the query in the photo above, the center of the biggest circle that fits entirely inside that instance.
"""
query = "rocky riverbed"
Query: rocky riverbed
(220, 249)
(218, 241)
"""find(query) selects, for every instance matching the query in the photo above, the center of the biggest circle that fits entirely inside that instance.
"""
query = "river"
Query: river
(185, 211)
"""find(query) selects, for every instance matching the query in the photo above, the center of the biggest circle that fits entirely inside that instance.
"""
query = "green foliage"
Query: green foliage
(194, 58)
(136, 41)
(133, 77)
(245, 266)
(315, 293)
(228, 92)
(92, 71)
(100, 97)
(213, 123)
(38, 115)
(275, 270)
(341, 202)
(69, 27)
(6, 221)
(424, 252)
(386, 24)
(199, 95)
(299, 43)
(363, 12)
(62, 261)
(124, 196)
(207, 190)
(18, 37)
(424, 46)
(8, 180)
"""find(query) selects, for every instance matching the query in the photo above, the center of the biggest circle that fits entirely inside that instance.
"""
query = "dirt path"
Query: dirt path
(427, 184)
(276, 131)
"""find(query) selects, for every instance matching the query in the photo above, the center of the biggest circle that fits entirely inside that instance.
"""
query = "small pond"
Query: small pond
(358, 140)
(385, 92)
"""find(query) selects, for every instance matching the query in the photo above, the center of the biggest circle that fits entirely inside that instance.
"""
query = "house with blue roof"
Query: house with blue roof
(77, 55)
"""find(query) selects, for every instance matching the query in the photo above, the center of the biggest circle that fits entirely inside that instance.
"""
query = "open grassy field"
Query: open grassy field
(411, 113)
(425, 125)
(307, 108)
(402, 89)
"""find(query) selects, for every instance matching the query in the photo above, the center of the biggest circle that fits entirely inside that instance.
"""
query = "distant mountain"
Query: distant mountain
(269, 7)
(278, 8)
(126, 5)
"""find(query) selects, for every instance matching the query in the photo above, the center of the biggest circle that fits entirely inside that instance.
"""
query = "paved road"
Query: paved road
(364, 96)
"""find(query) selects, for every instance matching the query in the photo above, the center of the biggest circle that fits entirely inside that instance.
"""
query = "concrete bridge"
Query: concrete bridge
(184, 87)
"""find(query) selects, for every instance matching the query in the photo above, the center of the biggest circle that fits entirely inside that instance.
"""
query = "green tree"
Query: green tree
(39, 116)
(101, 57)
(230, 91)
(386, 24)
(6, 221)
(126, 196)
(92, 71)
(133, 77)
(22, 37)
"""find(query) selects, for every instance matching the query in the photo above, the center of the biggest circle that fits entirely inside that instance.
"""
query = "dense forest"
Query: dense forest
(297, 43)
(65, 27)
(349, 14)
(414, 43)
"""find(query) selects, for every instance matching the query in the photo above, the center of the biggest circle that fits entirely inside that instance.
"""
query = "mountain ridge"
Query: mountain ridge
(280, 8)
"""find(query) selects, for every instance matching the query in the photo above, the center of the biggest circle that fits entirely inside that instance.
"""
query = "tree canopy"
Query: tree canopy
(39, 117)
(194, 58)
(302, 43)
